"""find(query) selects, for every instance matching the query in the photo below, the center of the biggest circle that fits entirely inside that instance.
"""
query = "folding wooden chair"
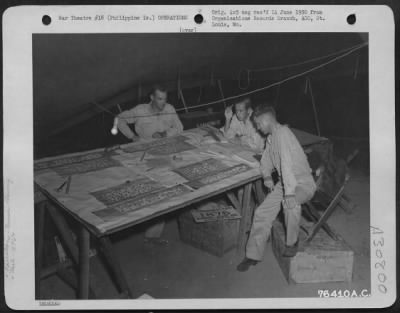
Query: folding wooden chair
(320, 220)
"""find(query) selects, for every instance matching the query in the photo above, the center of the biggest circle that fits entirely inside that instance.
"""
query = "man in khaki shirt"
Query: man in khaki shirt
(240, 128)
(156, 119)
(296, 185)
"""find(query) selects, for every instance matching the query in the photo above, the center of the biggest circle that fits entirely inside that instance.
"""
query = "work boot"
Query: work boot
(245, 264)
(290, 251)
(155, 241)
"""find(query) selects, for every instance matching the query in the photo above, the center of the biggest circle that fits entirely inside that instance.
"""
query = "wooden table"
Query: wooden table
(109, 190)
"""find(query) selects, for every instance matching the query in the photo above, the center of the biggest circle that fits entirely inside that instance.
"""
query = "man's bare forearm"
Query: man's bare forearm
(227, 125)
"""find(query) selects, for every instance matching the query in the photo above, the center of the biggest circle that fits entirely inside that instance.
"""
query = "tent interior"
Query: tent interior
(78, 78)
(81, 81)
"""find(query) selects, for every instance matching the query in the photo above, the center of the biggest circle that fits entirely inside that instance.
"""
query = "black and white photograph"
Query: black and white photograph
(202, 165)
(133, 108)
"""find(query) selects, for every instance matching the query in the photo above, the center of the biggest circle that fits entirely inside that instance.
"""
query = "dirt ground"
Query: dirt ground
(179, 270)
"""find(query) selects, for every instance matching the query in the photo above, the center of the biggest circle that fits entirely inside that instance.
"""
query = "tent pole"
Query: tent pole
(183, 99)
(314, 108)
(221, 91)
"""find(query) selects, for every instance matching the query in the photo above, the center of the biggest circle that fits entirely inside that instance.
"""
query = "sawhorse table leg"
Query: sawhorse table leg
(112, 259)
(80, 256)
(245, 209)
(84, 263)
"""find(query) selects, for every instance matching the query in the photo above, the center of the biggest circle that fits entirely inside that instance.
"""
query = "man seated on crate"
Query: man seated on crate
(239, 127)
(294, 186)
(156, 119)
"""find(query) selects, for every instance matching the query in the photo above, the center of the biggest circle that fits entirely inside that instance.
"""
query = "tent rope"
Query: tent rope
(348, 52)
(283, 80)
(274, 68)
(281, 67)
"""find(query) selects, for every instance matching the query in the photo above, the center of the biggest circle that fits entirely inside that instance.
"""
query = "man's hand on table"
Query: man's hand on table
(135, 138)
(157, 135)
(289, 202)
(269, 183)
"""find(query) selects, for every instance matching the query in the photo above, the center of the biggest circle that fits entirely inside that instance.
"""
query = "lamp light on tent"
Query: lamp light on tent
(114, 130)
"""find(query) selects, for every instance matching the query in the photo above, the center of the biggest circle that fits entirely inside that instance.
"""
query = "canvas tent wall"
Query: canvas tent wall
(72, 72)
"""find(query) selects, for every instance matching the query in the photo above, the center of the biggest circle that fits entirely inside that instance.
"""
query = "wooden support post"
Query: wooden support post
(67, 240)
(314, 108)
(246, 213)
(234, 201)
(53, 269)
(65, 233)
(183, 100)
(221, 91)
(112, 259)
(63, 273)
(70, 279)
(84, 245)
(240, 195)
(40, 226)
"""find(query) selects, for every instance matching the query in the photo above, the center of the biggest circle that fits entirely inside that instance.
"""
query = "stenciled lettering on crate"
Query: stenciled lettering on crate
(215, 237)
(321, 260)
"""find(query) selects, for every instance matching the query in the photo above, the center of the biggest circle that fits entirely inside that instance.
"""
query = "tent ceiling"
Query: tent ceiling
(71, 70)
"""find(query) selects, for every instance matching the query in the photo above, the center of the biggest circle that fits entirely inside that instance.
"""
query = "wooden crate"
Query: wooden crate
(215, 237)
(321, 260)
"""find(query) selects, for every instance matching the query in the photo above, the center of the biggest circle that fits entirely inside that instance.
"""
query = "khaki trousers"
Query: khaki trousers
(265, 215)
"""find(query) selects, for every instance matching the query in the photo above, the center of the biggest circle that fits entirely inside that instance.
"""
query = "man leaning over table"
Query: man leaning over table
(156, 119)
(295, 186)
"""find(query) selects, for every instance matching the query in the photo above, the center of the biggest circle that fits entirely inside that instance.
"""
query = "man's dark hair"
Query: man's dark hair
(264, 109)
(157, 87)
(245, 100)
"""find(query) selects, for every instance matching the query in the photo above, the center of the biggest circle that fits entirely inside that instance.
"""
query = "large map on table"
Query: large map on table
(125, 191)
(79, 164)
(209, 171)
(132, 196)
(162, 147)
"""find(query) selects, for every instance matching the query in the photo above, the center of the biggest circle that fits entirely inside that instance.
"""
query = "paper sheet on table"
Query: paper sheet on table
(166, 177)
